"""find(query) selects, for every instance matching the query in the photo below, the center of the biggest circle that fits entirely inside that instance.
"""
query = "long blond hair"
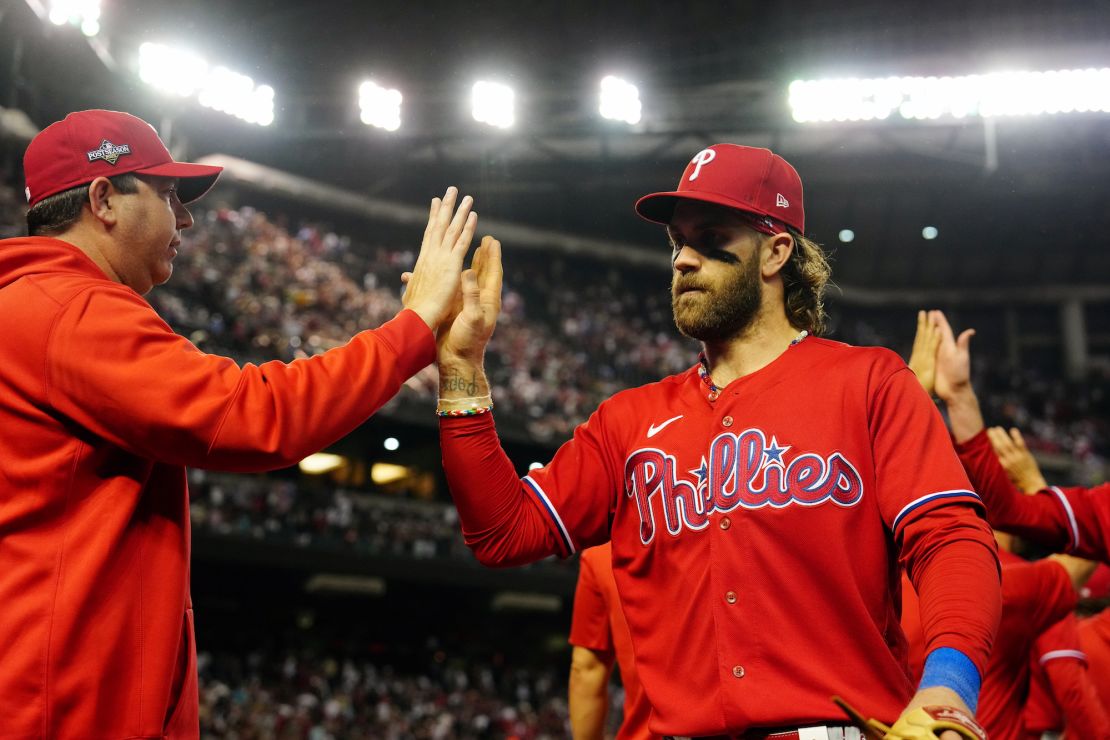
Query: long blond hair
(804, 280)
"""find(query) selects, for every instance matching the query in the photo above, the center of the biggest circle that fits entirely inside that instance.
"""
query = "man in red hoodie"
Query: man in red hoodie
(102, 406)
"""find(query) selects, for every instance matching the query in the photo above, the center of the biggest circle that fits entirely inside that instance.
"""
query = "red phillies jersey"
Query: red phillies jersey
(101, 407)
(756, 532)
(598, 624)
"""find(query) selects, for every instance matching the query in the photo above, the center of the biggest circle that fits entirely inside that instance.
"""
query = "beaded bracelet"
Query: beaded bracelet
(465, 406)
(466, 412)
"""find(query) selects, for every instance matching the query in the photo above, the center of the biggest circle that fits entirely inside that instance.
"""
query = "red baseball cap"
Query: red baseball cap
(746, 178)
(100, 143)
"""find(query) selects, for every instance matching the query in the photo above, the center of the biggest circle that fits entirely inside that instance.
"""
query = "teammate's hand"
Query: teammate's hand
(1016, 459)
(465, 335)
(953, 367)
(433, 284)
(923, 358)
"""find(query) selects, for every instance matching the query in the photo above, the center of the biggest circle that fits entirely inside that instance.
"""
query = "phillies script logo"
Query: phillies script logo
(743, 470)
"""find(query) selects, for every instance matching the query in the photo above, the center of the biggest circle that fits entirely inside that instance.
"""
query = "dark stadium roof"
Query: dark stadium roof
(1022, 202)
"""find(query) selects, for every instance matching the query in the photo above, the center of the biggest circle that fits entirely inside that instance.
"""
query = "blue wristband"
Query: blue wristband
(950, 668)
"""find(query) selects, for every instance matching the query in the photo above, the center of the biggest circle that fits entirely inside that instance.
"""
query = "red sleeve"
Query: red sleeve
(116, 368)
(1065, 667)
(589, 626)
(949, 556)
(558, 509)
(1087, 514)
(1039, 518)
(945, 546)
(916, 469)
(501, 520)
(1058, 653)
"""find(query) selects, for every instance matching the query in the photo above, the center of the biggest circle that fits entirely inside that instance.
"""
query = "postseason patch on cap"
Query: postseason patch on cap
(108, 152)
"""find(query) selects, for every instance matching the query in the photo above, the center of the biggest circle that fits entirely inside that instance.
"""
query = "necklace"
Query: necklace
(703, 369)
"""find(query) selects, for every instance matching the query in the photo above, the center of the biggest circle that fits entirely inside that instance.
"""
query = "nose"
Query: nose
(184, 218)
(685, 258)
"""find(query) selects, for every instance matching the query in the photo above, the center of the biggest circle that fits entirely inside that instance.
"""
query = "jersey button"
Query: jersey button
(738, 671)
(714, 395)
(730, 597)
(725, 522)
(727, 421)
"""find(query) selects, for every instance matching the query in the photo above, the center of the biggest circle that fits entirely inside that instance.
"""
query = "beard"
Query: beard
(718, 312)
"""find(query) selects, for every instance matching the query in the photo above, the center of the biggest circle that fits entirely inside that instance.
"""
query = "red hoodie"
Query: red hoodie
(102, 406)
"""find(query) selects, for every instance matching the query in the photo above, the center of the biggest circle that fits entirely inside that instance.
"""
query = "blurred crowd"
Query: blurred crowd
(310, 696)
(280, 510)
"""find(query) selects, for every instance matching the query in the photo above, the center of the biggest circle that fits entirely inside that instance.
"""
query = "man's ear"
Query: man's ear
(776, 253)
(102, 195)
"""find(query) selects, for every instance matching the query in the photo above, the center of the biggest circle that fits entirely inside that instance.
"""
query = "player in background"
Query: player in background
(1075, 520)
(1065, 672)
(102, 406)
(599, 636)
(758, 504)
(1037, 675)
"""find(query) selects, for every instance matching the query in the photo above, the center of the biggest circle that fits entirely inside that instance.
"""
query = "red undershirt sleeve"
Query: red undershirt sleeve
(949, 555)
(1039, 518)
(501, 523)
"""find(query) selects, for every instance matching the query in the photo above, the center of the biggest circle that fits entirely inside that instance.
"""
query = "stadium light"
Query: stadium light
(321, 462)
(84, 14)
(846, 235)
(929, 98)
(535, 466)
(620, 100)
(380, 107)
(181, 72)
(493, 103)
(383, 473)
(391, 443)
(929, 232)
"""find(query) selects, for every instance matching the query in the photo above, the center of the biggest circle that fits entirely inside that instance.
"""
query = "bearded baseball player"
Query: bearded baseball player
(760, 503)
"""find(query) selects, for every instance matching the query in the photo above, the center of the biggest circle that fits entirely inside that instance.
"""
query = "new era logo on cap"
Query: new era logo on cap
(750, 179)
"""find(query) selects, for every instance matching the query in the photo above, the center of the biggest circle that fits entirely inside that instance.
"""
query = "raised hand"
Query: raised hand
(1016, 459)
(465, 336)
(953, 367)
(433, 284)
(923, 358)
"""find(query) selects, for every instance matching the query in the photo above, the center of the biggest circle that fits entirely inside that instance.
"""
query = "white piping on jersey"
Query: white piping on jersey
(958, 493)
(653, 430)
(1055, 654)
(1071, 517)
(552, 512)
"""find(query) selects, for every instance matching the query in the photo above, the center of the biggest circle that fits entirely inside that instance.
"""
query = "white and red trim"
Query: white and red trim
(1057, 654)
(1071, 517)
(929, 497)
(568, 544)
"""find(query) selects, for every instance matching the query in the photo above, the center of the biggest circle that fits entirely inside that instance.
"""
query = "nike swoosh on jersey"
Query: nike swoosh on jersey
(653, 429)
